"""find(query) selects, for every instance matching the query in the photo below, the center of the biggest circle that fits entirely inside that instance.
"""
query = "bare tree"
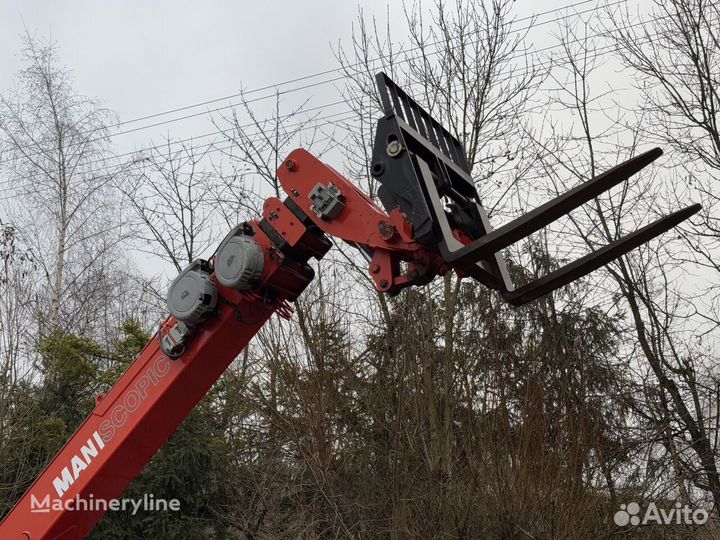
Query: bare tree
(673, 377)
(473, 72)
(16, 306)
(171, 191)
(674, 54)
(52, 138)
(469, 66)
(256, 146)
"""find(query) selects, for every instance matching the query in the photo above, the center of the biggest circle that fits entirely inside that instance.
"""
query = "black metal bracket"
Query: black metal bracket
(423, 169)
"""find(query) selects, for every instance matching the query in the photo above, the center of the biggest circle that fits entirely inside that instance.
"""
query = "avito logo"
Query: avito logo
(629, 514)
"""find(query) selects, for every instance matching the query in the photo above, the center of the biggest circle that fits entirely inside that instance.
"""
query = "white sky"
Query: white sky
(141, 58)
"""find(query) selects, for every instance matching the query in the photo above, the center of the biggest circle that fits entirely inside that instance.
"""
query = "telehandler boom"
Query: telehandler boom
(432, 223)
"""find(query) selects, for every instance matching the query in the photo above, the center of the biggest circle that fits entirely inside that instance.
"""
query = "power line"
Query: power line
(328, 71)
(114, 168)
(330, 118)
(406, 59)
(308, 86)
(599, 52)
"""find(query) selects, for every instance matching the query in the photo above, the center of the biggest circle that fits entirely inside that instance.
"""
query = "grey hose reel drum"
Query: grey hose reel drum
(192, 295)
(239, 262)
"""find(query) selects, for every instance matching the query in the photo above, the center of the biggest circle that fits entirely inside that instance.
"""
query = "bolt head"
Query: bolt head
(377, 169)
(387, 231)
(394, 148)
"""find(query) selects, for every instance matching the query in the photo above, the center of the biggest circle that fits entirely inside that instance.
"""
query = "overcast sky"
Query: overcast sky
(143, 58)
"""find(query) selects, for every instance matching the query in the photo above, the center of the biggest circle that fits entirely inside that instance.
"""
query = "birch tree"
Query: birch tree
(52, 139)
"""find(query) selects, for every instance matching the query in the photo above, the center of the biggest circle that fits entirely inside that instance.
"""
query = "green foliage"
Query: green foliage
(71, 368)
(43, 416)
(189, 467)
(30, 438)
(133, 339)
